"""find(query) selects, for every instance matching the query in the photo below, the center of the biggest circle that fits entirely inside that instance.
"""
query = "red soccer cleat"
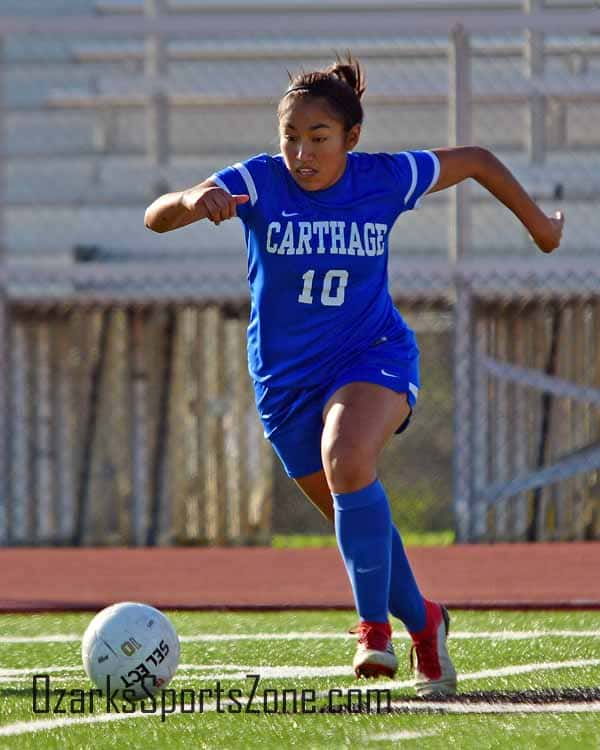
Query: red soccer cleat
(433, 669)
(375, 655)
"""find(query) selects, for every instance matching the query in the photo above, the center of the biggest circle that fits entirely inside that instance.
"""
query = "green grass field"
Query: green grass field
(409, 538)
(527, 680)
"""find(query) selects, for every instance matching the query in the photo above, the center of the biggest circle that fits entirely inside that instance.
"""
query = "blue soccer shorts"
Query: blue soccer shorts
(293, 417)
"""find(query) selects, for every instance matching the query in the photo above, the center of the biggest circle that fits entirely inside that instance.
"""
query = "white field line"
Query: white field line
(502, 635)
(396, 736)
(527, 668)
(240, 671)
(43, 725)
(299, 672)
(56, 638)
(485, 674)
(40, 725)
(207, 672)
(17, 671)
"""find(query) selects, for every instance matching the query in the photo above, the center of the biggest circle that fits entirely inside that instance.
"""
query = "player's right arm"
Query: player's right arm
(203, 201)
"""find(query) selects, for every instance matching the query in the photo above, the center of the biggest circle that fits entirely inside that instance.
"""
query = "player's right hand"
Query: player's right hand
(218, 204)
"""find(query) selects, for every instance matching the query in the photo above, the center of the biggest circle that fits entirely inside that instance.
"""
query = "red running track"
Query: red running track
(520, 576)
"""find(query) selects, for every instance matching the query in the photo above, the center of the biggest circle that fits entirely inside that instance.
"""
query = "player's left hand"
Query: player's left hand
(550, 239)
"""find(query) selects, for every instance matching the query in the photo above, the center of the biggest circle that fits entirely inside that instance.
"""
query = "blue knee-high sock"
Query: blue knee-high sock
(406, 601)
(363, 527)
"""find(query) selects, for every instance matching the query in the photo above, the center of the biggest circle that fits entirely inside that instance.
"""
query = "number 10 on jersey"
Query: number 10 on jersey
(334, 280)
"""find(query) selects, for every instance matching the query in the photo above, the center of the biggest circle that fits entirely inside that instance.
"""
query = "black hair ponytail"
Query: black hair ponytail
(348, 71)
(341, 85)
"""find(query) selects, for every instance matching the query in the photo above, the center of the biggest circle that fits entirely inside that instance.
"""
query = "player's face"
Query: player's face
(314, 144)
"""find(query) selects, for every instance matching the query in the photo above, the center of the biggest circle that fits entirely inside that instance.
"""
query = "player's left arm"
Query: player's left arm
(460, 163)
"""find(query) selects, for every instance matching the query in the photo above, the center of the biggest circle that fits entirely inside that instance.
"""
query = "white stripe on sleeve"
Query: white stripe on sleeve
(434, 179)
(218, 181)
(413, 169)
(247, 177)
(436, 170)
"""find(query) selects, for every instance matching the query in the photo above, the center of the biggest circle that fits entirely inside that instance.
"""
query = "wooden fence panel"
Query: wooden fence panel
(136, 425)
(63, 427)
(520, 321)
(528, 428)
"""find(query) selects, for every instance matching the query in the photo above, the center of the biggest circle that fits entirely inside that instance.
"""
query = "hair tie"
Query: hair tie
(303, 87)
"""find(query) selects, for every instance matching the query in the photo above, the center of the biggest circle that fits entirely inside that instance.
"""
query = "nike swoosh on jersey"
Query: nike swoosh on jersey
(291, 213)
(382, 340)
(389, 374)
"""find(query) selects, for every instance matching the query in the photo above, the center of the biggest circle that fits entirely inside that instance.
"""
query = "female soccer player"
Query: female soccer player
(334, 365)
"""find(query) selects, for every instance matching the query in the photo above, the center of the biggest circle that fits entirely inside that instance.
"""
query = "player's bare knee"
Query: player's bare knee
(348, 464)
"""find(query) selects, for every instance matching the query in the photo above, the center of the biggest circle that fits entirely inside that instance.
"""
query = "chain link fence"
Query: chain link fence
(126, 414)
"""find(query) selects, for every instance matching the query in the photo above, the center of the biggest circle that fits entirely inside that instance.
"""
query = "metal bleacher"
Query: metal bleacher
(78, 167)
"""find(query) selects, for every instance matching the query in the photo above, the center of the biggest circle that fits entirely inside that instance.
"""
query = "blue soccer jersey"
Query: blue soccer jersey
(317, 260)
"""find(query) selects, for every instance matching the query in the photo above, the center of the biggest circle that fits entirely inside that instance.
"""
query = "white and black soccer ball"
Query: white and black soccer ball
(134, 645)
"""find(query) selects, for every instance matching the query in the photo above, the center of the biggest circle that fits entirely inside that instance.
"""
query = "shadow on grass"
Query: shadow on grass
(545, 695)
(487, 698)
